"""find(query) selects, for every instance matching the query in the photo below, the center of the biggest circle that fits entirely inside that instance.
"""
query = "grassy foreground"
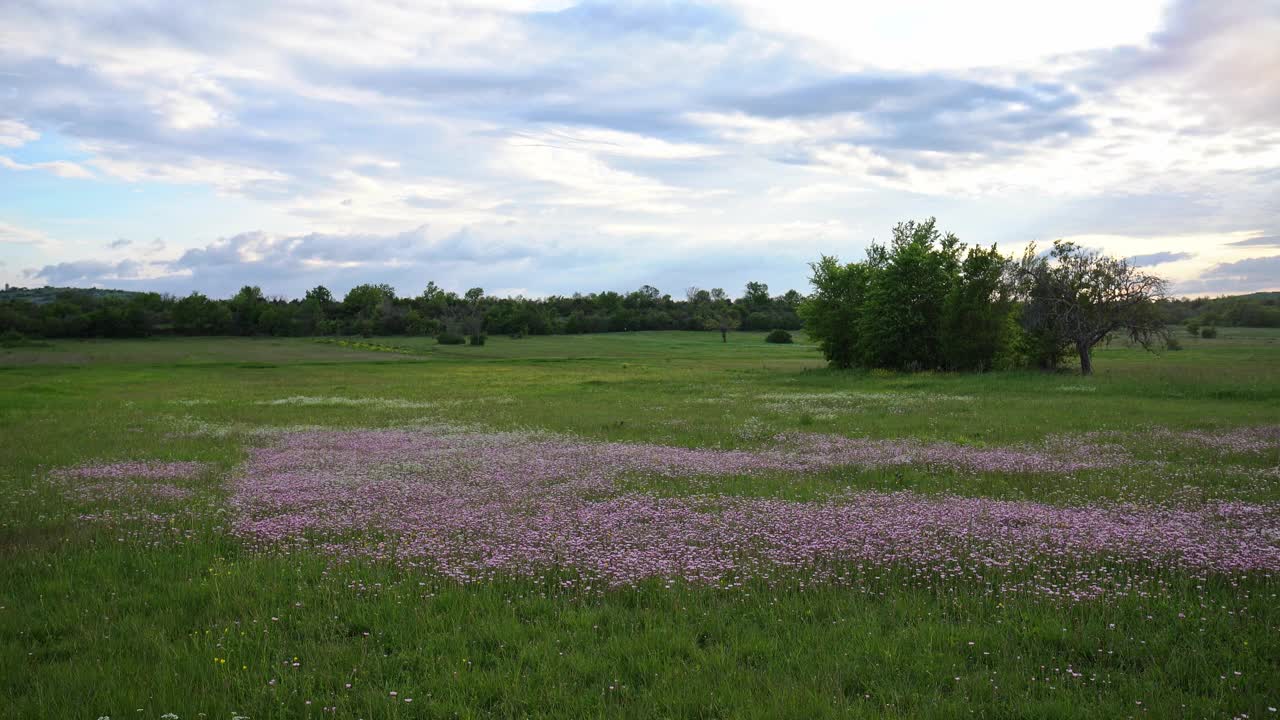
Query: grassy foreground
(104, 612)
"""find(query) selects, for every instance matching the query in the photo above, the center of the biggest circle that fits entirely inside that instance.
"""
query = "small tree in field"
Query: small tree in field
(1074, 299)
(724, 319)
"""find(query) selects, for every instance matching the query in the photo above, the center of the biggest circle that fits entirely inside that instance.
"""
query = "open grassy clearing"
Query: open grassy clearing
(130, 596)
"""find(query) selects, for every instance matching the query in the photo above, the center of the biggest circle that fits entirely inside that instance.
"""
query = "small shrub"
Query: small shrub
(476, 339)
(1172, 344)
(448, 338)
(1208, 333)
(1193, 328)
(779, 336)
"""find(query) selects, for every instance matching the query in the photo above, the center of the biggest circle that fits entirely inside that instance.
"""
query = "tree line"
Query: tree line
(378, 310)
(924, 300)
(927, 301)
(1253, 310)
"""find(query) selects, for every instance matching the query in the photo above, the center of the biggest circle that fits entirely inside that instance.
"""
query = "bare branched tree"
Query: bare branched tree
(1075, 299)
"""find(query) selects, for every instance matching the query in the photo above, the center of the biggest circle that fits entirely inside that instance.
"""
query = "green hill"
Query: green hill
(47, 294)
(1260, 309)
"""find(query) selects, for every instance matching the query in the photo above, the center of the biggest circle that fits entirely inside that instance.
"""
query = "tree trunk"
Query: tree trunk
(1086, 358)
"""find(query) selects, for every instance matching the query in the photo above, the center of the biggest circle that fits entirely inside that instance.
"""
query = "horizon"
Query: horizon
(524, 146)
(733, 295)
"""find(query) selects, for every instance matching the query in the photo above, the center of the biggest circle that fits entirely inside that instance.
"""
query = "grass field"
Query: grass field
(647, 525)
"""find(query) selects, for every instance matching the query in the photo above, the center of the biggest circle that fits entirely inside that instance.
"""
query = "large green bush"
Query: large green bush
(924, 301)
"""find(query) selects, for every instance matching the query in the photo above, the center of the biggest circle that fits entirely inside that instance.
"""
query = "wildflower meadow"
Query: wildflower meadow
(654, 524)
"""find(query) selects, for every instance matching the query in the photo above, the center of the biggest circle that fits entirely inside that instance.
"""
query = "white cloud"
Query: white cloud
(15, 235)
(227, 177)
(61, 168)
(745, 128)
(588, 180)
(16, 134)
(752, 130)
(615, 143)
(938, 34)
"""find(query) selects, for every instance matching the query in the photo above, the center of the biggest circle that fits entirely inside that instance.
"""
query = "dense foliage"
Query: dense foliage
(924, 301)
(928, 301)
(377, 310)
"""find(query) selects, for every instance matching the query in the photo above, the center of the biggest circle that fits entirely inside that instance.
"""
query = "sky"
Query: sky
(535, 147)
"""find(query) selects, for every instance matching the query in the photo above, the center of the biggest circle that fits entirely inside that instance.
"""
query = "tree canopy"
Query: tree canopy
(923, 301)
(928, 301)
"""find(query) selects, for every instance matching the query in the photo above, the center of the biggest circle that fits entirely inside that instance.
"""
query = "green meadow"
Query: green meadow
(138, 607)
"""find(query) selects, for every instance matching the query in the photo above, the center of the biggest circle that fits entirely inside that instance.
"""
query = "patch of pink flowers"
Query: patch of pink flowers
(475, 505)
(1247, 440)
(127, 481)
(126, 491)
(133, 470)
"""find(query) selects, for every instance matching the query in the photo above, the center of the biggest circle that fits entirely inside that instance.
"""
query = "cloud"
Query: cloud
(90, 272)
(61, 168)
(932, 35)
(1159, 258)
(14, 235)
(15, 134)
(610, 133)
(291, 264)
(1262, 241)
(929, 112)
(616, 143)
(1225, 52)
(1248, 275)
(681, 21)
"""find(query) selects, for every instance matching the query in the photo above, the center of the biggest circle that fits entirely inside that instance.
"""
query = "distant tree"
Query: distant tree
(645, 297)
(1074, 298)
(697, 296)
(467, 317)
(246, 307)
(311, 314)
(363, 301)
(196, 314)
(756, 295)
(724, 319)
(432, 291)
(320, 295)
